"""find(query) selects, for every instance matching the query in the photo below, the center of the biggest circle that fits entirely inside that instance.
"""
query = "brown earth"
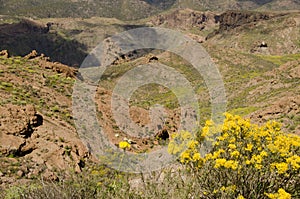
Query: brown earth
(38, 144)
(38, 139)
(285, 107)
(138, 115)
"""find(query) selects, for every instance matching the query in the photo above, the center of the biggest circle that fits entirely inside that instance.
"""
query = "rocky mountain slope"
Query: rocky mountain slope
(133, 9)
(257, 53)
(220, 5)
(122, 9)
(36, 128)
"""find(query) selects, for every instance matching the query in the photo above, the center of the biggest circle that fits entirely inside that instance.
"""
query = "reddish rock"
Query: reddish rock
(4, 53)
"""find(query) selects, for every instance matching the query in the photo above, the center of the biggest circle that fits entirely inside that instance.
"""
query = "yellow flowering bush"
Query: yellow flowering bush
(253, 159)
(186, 146)
(281, 194)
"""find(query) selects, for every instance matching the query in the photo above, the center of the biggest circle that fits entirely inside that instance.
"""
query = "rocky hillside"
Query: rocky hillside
(219, 5)
(122, 9)
(132, 9)
(257, 53)
(36, 131)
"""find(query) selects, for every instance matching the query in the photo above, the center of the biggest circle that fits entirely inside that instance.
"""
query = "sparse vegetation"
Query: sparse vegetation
(279, 60)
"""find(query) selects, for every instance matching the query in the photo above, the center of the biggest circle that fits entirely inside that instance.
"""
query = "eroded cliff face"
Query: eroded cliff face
(232, 19)
(186, 19)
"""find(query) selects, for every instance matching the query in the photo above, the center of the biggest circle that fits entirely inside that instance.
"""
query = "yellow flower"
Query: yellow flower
(218, 153)
(192, 144)
(220, 162)
(249, 147)
(272, 148)
(282, 167)
(223, 137)
(209, 123)
(232, 140)
(196, 156)
(281, 194)
(232, 146)
(228, 189)
(294, 161)
(173, 148)
(256, 159)
(248, 162)
(208, 156)
(235, 154)
(185, 157)
(223, 188)
(263, 154)
(259, 148)
(231, 164)
(231, 188)
(124, 145)
(205, 131)
(240, 145)
(258, 166)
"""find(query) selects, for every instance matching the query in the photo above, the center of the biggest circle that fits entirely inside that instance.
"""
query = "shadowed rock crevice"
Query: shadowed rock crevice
(230, 20)
(24, 150)
(39, 120)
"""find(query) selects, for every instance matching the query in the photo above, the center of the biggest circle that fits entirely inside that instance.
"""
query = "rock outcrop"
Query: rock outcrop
(32, 54)
(232, 19)
(4, 53)
(57, 67)
(280, 110)
(186, 19)
(16, 125)
(49, 145)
